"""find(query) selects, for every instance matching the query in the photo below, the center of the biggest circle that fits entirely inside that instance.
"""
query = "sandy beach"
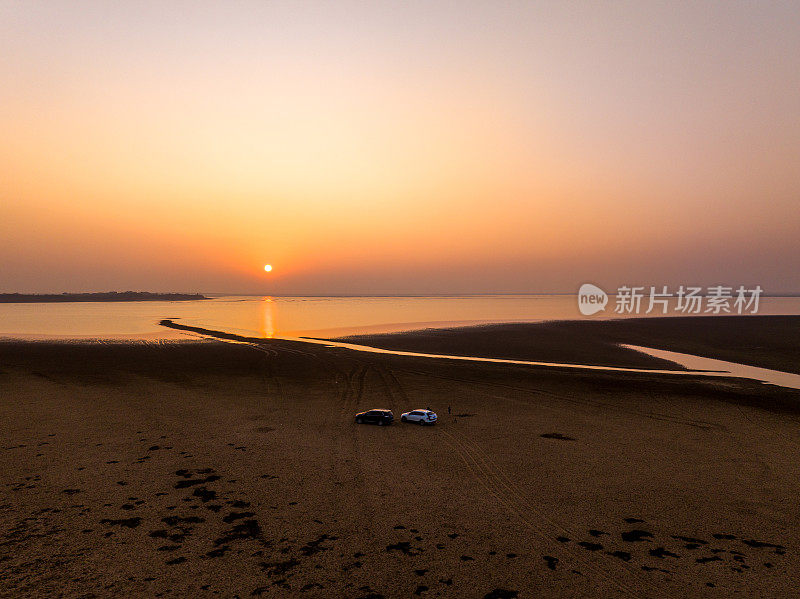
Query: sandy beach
(570, 229)
(207, 468)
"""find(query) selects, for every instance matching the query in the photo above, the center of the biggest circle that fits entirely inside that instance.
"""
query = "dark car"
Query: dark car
(379, 417)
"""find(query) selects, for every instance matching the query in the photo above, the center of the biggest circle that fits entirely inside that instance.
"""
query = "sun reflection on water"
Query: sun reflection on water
(267, 328)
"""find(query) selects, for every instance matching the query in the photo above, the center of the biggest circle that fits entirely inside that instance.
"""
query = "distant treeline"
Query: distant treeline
(109, 296)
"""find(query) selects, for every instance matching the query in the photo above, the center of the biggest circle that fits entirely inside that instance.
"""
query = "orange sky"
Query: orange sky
(398, 147)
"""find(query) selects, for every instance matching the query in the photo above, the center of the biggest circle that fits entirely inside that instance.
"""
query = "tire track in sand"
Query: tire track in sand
(512, 502)
(511, 491)
(702, 424)
(500, 486)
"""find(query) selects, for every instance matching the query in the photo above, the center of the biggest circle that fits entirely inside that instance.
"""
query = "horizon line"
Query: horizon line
(345, 295)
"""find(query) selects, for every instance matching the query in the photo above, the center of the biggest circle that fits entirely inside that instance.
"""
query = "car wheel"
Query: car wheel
(404, 419)
(359, 421)
(421, 422)
(380, 422)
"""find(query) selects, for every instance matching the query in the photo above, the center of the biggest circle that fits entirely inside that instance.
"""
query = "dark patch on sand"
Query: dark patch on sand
(590, 546)
(175, 520)
(636, 536)
(204, 494)
(661, 553)
(316, 546)
(233, 516)
(761, 544)
(183, 484)
(596, 533)
(654, 569)
(623, 555)
(279, 568)
(249, 529)
(690, 540)
(403, 547)
(558, 436)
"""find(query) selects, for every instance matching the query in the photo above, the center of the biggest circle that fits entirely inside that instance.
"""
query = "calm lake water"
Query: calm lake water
(297, 316)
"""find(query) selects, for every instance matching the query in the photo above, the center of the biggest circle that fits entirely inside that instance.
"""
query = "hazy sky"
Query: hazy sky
(409, 147)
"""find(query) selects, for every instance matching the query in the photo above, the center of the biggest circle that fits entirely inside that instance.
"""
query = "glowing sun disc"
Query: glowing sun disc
(268, 267)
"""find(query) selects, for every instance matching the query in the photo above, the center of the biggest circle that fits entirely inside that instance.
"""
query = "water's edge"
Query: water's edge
(708, 367)
(691, 361)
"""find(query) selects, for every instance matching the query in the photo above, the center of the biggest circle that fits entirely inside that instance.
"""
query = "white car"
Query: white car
(419, 416)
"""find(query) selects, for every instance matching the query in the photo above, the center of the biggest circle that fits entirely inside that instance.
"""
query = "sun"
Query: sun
(268, 267)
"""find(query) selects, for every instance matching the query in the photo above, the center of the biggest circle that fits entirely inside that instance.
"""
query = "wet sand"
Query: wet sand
(764, 341)
(216, 469)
